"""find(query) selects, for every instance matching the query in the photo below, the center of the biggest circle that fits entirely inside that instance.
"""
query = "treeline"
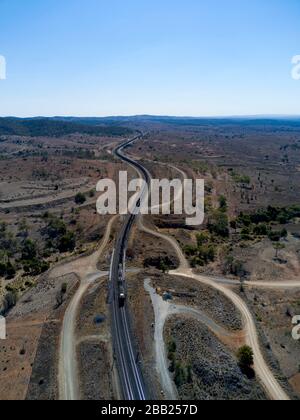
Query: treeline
(182, 373)
(207, 241)
(22, 252)
(260, 222)
(281, 215)
(53, 128)
(219, 230)
(58, 237)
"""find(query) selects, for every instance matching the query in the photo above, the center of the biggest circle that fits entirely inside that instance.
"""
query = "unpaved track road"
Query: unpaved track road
(163, 310)
(271, 385)
(288, 284)
(266, 376)
(86, 269)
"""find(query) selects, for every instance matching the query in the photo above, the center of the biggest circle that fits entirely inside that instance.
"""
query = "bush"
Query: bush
(172, 346)
(207, 253)
(159, 263)
(219, 224)
(10, 270)
(203, 253)
(202, 238)
(271, 214)
(180, 377)
(9, 302)
(80, 198)
(190, 250)
(261, 230)
(35, 267)
(246, 234)
(234, 267)
(2, 269)
(67, 242)
(223, 203)
(55, 228)
(7, 270)
(275, 236)
(245, 357)
(92, 193)
(29, 250)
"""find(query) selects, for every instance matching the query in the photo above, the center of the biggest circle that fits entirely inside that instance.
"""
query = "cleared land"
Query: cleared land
(245, 259)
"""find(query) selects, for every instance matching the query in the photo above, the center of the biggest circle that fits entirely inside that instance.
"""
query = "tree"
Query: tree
(278, 247)
(10, 270)
(202, 238)
(3, 227)
(180, 376)
(235, 267)
(246, 233)
(245, 357)
(223, 203)
(261, 230)
(80, 198)
(275, 236)
(163, 266)
(233, 225)
(10, 301)
(29, 250)
(61, 294)
(23, 227)
(35, 267)
(67, 242)
(64, 288)
(219, 224)
(7, 269)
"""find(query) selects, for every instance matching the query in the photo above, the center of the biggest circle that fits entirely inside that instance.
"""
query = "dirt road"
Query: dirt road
(262, 370)
(163, 310)
(86, 269)
(264, 373)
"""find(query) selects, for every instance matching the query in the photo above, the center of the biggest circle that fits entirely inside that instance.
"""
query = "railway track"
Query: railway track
(130, 376)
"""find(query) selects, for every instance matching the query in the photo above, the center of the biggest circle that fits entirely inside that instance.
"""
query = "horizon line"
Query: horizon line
(237, 116)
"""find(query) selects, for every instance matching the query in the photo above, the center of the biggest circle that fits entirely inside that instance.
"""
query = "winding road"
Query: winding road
(130, 376)
(266, 376)
(162, 311)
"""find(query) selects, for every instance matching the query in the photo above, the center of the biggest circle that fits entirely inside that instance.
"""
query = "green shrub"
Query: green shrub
(245, 357)
(180, 377)
(67, 242)
(80, 198)
(35, 267)
(10, 300)
(55, 228)
(223, 203)
(219, 224)
(261, 230)
(29, 250)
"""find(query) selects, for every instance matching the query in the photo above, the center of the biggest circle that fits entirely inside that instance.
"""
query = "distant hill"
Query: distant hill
(124, 126)
(55, 127)
(259, 122)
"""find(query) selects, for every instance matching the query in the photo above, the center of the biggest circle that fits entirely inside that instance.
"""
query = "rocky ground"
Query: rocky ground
(274, 311)
(94, 345)
(193, 294)
(28, 358)
(210, 369)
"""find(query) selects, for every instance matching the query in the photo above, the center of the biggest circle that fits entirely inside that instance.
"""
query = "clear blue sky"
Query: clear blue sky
(124, 57)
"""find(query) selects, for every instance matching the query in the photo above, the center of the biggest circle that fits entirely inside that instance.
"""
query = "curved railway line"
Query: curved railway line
(129, 372)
